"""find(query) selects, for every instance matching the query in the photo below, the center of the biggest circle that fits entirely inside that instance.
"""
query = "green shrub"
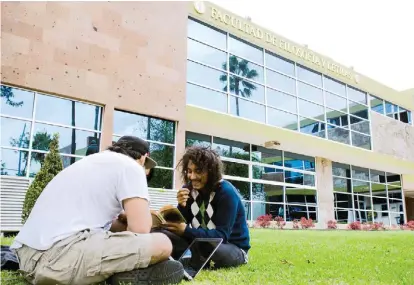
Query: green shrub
(51, 166)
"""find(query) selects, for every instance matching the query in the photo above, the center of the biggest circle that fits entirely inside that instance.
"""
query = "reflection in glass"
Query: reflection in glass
(362, 202)
(15, 133)
(13, 162)
(397, 219)
(360, 187)
(377, 104)
(309, 76)
(298, 161)
(246, 69)
(391, 110)
(205, 54)
(296, 212)
(67, 112)
(358, 110)
(339, 169)
(260, 209)
(247, 109)
(206, 34)
(280, 82)
(300, 196)
(342, 185)
(310, 93)
(206, 76)
(206, 98)
(243, 187)
(405, 116)
(363, 216)
(267, 156)
(16, 102)
(360, 173)
(299, 178)
(245, 50)
(246, 89)
(357, 95)
(311, 110)
(163, 178)
(278, 63)
(334, 86)
(336, 102)
(312, 127)
(361, 141)
(71, 141)
(377, 176)
(281, 100)
(282, 119)
(392, 178)
(359, 125)
(343, 200)
(236, 169)
(247, 209)
(379, 190)
(267, 192)
(195, 139)
(344, 216)
(267, 173)
(380, 204)
(38, 158)
(338, 134)
(231, 149)
(162, 154)
(394, 192)
(337, 118)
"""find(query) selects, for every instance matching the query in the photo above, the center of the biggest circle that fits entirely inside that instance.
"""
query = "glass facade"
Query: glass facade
(229, 75)
(29, 120)
(270, 181)
(391, 110)
(161, 136)
(367, 195)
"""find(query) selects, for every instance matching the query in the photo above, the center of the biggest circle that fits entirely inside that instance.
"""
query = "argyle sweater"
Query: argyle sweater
(219, 214)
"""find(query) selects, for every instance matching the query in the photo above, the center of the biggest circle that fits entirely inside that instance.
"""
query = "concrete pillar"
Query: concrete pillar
(107, 126)
(408, 198)
(325, 192)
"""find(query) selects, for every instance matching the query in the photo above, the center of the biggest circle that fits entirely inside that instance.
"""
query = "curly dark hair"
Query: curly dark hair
(122, 147)
(205, 159)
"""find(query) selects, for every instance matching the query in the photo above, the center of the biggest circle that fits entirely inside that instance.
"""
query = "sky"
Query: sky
(375, 37)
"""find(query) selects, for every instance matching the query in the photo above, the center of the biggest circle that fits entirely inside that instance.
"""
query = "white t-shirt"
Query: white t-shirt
(85, 195)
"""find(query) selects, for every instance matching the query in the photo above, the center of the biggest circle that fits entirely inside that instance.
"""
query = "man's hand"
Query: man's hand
(182, 197)
(175, 228)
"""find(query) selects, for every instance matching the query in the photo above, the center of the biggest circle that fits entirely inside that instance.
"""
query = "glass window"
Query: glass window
(299, 178)
(163, 178)
(379, 190)
(206, 34)
(267, 156)
(377, 104)
(231, 149)
(16, 102)
(357, 95)
(336, 102)
(281, 100)
(37, 159)
(245, 50)
(243, 187)
(343, 200)
(312, 127)
(391, 110)
(236, 169)
(360, 187)
(201, 74)
(339, 169)
(300, 196)
(359, 125)
(278, 63)
(360, 173)
(267, 192)
(267, 173)
(338, 134)
(282, 119)
(309, 76)
(334, 86)
(206, 98)
(337, 118)
(13, 162)
(296, 212)
(393, 192)
(342, 185)
(162, 154)
(246, 69)
(392, 178)
(344, 216)
(361, 141)
(68, 112)
(247, 109)
(358, 110)
(280, 82)
(311, 110)
(206, 54)
(246, 89)
(298, 161)
(15, 133)
(310, 93)
(194, 139)
(377, 176)
(272, 209)
(405, 116)
(71, 141)
(144, 127)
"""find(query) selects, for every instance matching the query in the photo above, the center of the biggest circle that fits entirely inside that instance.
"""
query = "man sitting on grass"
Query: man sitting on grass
(63, 240)
(213, 209)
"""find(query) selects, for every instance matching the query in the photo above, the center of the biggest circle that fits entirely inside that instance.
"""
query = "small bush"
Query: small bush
(356, 226)
(332, 225)
(295, 224)
(280, 222)
(263, 221)
(306, 223)
(409, 226)
(377, 226)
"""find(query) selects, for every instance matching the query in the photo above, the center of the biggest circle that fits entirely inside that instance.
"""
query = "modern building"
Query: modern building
(300, 134)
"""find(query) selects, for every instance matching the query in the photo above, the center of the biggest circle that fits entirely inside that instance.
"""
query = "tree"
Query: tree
(51, 166)
(238, 85)
(7, 93)
(3, 169)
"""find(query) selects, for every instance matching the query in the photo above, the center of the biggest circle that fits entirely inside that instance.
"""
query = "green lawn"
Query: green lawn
(316, 257)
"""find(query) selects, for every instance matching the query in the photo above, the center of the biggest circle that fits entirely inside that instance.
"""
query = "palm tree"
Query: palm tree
(239, 67)
(7, 94)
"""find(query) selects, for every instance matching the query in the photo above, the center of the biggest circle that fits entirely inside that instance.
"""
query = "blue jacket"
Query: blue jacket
(229, 218)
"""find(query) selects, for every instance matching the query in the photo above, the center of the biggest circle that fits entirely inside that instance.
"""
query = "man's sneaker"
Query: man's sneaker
(166, 272)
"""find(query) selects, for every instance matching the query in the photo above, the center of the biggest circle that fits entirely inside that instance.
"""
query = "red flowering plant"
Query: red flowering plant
(306, 223)
(280, 222)
(355, 226)
(332, 225)
(409, 226)
(295, 224)
(263, 221)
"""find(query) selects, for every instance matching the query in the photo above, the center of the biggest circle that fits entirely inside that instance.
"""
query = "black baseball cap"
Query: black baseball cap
(139, 145)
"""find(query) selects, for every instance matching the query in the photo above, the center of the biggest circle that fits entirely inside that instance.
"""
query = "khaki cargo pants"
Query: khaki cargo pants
(86, 258)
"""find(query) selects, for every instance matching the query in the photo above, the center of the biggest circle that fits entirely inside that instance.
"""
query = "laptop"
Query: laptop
(197, 255)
